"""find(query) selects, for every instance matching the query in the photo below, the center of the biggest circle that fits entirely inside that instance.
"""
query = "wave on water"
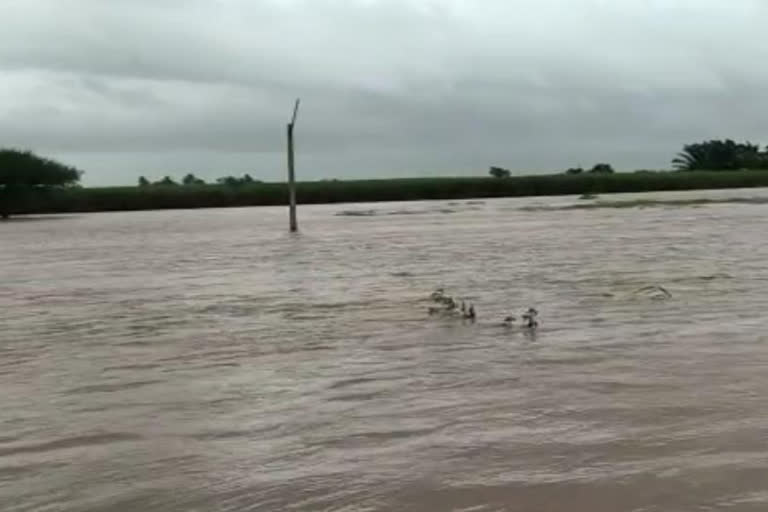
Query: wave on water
(405, 211)
(647, 203)
(197, 360)
(357, 213)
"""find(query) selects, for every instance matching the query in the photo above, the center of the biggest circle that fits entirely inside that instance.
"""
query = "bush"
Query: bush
(499, 172)
(602, 169)
(24, 176)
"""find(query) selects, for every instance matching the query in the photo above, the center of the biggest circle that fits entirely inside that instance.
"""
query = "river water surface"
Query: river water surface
(207, 360)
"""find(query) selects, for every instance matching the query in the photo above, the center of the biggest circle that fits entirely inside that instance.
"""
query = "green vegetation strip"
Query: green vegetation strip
(76, 199)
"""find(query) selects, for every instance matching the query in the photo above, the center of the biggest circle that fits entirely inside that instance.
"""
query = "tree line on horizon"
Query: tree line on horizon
(710, 155)
(191, 180)
(23, 173)
(58, 191)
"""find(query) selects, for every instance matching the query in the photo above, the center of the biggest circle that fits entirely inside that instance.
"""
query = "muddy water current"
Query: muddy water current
(207, 360)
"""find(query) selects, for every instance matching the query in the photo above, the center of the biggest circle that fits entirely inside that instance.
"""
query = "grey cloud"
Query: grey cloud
(389, 87)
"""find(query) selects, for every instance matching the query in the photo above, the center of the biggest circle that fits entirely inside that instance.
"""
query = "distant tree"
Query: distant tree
(229, 181)
(191, 179)
(166, 181)
(574, 170)
(234, 181)
(720, 155)
(601, 169)
(143, 182)
(23, 174)
(499, 172)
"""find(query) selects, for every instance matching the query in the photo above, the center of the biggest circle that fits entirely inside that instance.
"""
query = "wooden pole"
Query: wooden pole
(291, 174)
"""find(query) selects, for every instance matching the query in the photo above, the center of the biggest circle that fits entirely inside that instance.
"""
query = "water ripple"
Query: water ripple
(208, 360)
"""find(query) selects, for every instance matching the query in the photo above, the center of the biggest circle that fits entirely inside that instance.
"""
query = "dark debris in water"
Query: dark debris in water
(420, 212)
(357, 213)
(375, 213)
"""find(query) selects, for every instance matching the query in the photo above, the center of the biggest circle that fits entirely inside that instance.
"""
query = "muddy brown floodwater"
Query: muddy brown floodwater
(209, 361)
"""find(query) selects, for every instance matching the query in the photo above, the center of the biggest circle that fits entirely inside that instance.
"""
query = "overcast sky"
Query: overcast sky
(122, 88)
